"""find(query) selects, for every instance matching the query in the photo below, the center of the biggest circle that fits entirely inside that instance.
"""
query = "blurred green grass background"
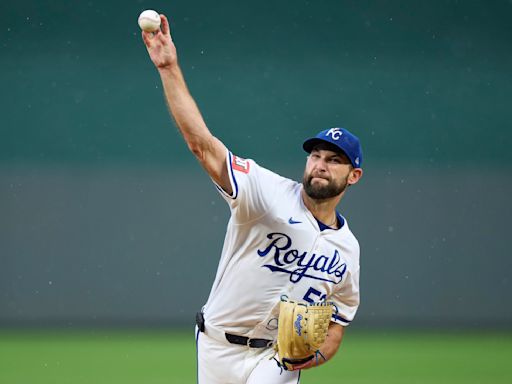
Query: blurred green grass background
(153, 357)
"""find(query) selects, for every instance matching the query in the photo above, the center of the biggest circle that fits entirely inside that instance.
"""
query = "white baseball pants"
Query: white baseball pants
(220, 362)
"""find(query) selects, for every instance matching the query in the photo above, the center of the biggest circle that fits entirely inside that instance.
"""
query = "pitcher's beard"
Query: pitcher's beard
(322, 192)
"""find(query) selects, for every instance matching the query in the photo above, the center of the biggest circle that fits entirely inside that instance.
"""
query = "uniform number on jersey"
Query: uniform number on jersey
(310, 296)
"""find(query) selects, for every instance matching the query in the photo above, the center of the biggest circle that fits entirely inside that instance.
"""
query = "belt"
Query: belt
(235, 339)
(251, 343)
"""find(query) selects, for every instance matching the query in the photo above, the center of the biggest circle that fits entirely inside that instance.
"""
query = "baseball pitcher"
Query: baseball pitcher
(287, 283)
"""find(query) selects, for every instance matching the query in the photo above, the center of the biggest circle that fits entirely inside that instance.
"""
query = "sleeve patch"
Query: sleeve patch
(239, 164)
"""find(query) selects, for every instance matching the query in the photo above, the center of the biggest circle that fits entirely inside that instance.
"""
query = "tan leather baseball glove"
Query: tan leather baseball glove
(302, 329)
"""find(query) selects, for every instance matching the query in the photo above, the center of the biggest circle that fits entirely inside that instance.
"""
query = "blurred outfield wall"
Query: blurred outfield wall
(105, 218)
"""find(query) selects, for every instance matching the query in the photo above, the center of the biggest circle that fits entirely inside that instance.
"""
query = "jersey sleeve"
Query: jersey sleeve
(253, 187)
(346, 299)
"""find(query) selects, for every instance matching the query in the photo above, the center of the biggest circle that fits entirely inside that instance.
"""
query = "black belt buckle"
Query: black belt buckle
(259, 343)
(251, 343)
(200, 321)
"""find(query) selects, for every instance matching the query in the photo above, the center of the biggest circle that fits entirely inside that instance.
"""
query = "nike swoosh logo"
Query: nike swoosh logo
(291, 221)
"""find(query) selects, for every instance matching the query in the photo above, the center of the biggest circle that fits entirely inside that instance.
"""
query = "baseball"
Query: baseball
(149, 20)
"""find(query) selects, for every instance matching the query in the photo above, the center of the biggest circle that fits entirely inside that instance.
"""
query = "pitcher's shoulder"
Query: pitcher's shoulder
(350, 240)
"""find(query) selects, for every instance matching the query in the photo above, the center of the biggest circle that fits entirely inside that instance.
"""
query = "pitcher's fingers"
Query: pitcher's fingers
(145, 37)
(164, 25)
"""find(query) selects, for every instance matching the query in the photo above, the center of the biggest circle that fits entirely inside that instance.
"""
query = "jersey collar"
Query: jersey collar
(341, 223)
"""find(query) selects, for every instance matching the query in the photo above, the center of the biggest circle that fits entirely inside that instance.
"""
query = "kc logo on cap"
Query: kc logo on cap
(335, 133)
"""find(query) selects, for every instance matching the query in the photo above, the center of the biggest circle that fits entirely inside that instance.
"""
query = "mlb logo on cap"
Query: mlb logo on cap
(343, 139)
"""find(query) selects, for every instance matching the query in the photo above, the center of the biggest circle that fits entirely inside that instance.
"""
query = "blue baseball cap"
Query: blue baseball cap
(341, 138)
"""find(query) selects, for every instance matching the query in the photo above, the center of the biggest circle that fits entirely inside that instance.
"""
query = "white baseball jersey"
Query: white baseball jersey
(274, 247)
